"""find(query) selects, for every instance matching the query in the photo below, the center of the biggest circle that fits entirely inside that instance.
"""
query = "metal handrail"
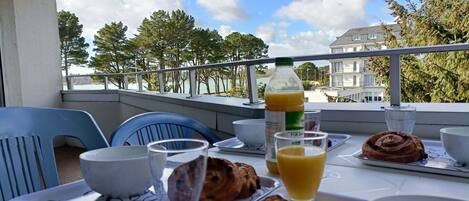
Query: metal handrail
(394, 55)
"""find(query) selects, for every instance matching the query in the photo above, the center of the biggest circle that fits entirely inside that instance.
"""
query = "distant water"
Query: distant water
(134, 86)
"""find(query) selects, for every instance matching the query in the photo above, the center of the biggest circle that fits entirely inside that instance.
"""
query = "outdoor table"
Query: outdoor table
(346, 178)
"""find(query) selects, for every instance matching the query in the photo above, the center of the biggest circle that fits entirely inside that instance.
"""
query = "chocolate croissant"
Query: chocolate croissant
(222, 181)
(394, 146)
(184, 181)
(250, 181)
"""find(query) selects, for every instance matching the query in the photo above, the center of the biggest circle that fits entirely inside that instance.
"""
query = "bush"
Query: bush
(307, 85)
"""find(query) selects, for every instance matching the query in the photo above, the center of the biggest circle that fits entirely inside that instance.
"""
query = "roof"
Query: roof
(362, 32)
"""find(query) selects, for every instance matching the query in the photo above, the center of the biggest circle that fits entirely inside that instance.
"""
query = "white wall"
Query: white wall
(219, 112)
(108, 115)
(30, 53)
(350, 48)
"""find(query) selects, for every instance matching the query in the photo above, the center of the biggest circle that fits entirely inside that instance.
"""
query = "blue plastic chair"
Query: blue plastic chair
(153, 126)
(27, 161)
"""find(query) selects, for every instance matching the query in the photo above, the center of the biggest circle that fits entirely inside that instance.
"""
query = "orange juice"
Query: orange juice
(285, 101)
(292, 106)
(284, 106)
(301, 170)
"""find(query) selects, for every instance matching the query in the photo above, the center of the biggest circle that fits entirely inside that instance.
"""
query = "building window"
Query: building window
(364, 36)
(337, 81)
(337, 50)
(372, 36)
(356, 37)
(355, 49)
(369, 80)
(368, 98)
(354, 80)
(337, 67)
(365, 66)
(354, 66)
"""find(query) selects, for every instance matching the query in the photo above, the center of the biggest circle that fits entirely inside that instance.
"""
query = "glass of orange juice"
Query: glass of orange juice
(300, 159)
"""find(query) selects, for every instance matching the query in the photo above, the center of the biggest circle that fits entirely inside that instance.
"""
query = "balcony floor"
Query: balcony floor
(68, 163)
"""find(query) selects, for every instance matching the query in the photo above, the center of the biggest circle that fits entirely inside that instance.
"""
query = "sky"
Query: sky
(290, 28)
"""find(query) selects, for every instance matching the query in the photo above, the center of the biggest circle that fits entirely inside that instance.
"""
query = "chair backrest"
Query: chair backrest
(153, 126)
(27, 161)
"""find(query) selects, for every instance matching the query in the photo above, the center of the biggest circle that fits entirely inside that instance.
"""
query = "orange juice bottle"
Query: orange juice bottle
(284, 99)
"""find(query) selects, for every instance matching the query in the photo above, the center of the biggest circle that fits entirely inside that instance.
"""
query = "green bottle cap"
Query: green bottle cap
(284, 61)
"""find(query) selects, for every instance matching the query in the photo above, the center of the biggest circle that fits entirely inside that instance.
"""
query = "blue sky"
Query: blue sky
(289, 27)
(261, 12)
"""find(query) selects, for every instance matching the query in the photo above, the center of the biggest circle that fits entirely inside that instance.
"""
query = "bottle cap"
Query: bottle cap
(284, 61)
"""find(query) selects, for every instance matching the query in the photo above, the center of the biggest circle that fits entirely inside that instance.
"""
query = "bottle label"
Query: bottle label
(280, 121)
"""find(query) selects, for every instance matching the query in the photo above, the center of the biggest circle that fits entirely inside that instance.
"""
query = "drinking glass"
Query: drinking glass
(178, 168)
(301, 159)
(312, 120)
(400, 118)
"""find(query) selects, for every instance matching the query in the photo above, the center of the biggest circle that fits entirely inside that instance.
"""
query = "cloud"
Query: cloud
(327, 15)
(266, 32)
(94, 14)
(224, 10)
(271, 31)
(302, 43)
(327, 18)
(225, 30)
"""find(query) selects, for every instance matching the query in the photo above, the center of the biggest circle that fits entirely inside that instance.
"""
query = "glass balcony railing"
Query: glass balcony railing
(249, 83)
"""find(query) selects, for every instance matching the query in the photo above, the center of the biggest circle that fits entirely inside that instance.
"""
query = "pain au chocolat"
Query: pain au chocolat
(394, 146)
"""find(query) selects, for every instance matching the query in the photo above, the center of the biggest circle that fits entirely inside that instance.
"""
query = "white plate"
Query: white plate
(79, 191)
(437, 162)
(235, 145)
(320, 196)
(415, 198)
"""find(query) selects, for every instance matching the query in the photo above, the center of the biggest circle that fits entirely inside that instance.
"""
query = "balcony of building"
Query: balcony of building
(32, 78)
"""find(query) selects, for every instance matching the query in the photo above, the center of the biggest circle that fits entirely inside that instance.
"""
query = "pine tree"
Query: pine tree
(205, 47)
(435, 77)
(307, 71)
(238, 47)
(179, 33)
(72, 44)
(113, 52)
(167, 36)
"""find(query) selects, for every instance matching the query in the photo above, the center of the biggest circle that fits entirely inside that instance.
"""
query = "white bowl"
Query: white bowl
(117, 171)
(250, 131)
(456, 143)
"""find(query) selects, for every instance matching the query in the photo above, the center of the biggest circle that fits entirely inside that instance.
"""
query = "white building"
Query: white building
(351, 77)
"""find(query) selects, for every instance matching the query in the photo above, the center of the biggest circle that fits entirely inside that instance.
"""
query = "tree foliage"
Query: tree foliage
(171, 40)
(113, 52)
(153, 35)
(307, 71)
(205, 47)
(238, 47)
(323, 72)
(72, 43)
(436, 77)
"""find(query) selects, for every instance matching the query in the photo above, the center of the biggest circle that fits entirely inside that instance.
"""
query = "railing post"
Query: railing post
(69, 80)
(139, 81)
(126, 82)
(106, 82)
(395, 79)
(161, 82)
(192, 87)
(252, 85)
